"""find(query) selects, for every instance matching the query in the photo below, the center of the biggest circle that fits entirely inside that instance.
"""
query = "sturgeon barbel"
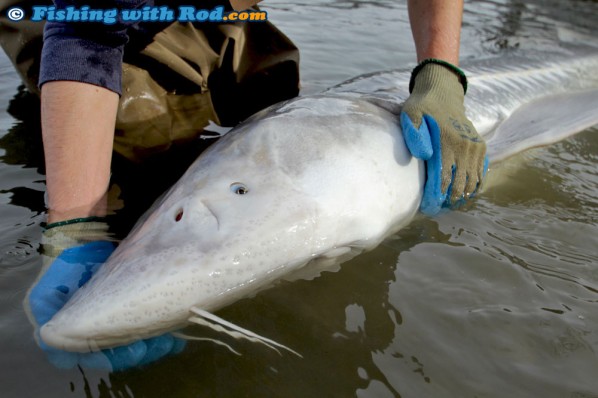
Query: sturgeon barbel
(314, 180)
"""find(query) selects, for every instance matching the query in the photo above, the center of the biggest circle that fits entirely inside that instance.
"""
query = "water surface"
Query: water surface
(497, 299)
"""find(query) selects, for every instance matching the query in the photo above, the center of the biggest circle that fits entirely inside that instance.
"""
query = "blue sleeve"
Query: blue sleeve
(86, 52)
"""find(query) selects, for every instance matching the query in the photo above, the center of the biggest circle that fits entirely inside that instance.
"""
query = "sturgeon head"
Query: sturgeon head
(312, 178)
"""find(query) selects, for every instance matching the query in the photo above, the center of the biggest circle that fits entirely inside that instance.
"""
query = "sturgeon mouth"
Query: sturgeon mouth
(52, 335)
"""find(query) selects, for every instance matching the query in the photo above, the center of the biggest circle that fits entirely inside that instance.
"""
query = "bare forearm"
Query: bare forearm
(436, 27)
(78, 131)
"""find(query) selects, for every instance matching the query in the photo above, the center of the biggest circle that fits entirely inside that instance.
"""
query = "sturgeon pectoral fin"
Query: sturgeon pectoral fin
(543, 122)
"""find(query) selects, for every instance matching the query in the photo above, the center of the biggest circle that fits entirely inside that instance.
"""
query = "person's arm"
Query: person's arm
(78, 130)
(433, 119)
(80, 80)
(436, 27)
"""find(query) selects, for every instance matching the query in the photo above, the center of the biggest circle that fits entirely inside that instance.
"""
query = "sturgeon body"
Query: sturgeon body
(314, 180)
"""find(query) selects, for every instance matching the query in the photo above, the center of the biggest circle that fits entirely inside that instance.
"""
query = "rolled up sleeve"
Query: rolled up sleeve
(88, 52)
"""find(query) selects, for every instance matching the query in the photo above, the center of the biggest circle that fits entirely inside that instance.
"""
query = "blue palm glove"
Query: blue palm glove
(69, 271)
(436, 130)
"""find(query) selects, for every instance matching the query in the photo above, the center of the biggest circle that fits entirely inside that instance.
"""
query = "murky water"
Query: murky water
(497, 299)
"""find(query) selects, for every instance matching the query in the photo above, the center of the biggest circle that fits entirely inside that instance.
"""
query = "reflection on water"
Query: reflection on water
(497, 299)
(509, 24)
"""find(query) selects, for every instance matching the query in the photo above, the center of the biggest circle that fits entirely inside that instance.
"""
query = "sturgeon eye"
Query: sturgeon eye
(239, 188)
(179, 215)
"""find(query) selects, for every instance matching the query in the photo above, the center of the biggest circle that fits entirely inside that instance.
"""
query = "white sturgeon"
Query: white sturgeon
(317, 179)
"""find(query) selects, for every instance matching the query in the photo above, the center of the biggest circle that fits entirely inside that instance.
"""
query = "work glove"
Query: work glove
(437, 131)
(73, 251)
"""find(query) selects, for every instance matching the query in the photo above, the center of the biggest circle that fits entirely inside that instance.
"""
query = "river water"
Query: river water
(497, 299)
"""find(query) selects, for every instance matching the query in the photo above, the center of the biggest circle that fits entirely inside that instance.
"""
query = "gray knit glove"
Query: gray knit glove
(436, 130)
